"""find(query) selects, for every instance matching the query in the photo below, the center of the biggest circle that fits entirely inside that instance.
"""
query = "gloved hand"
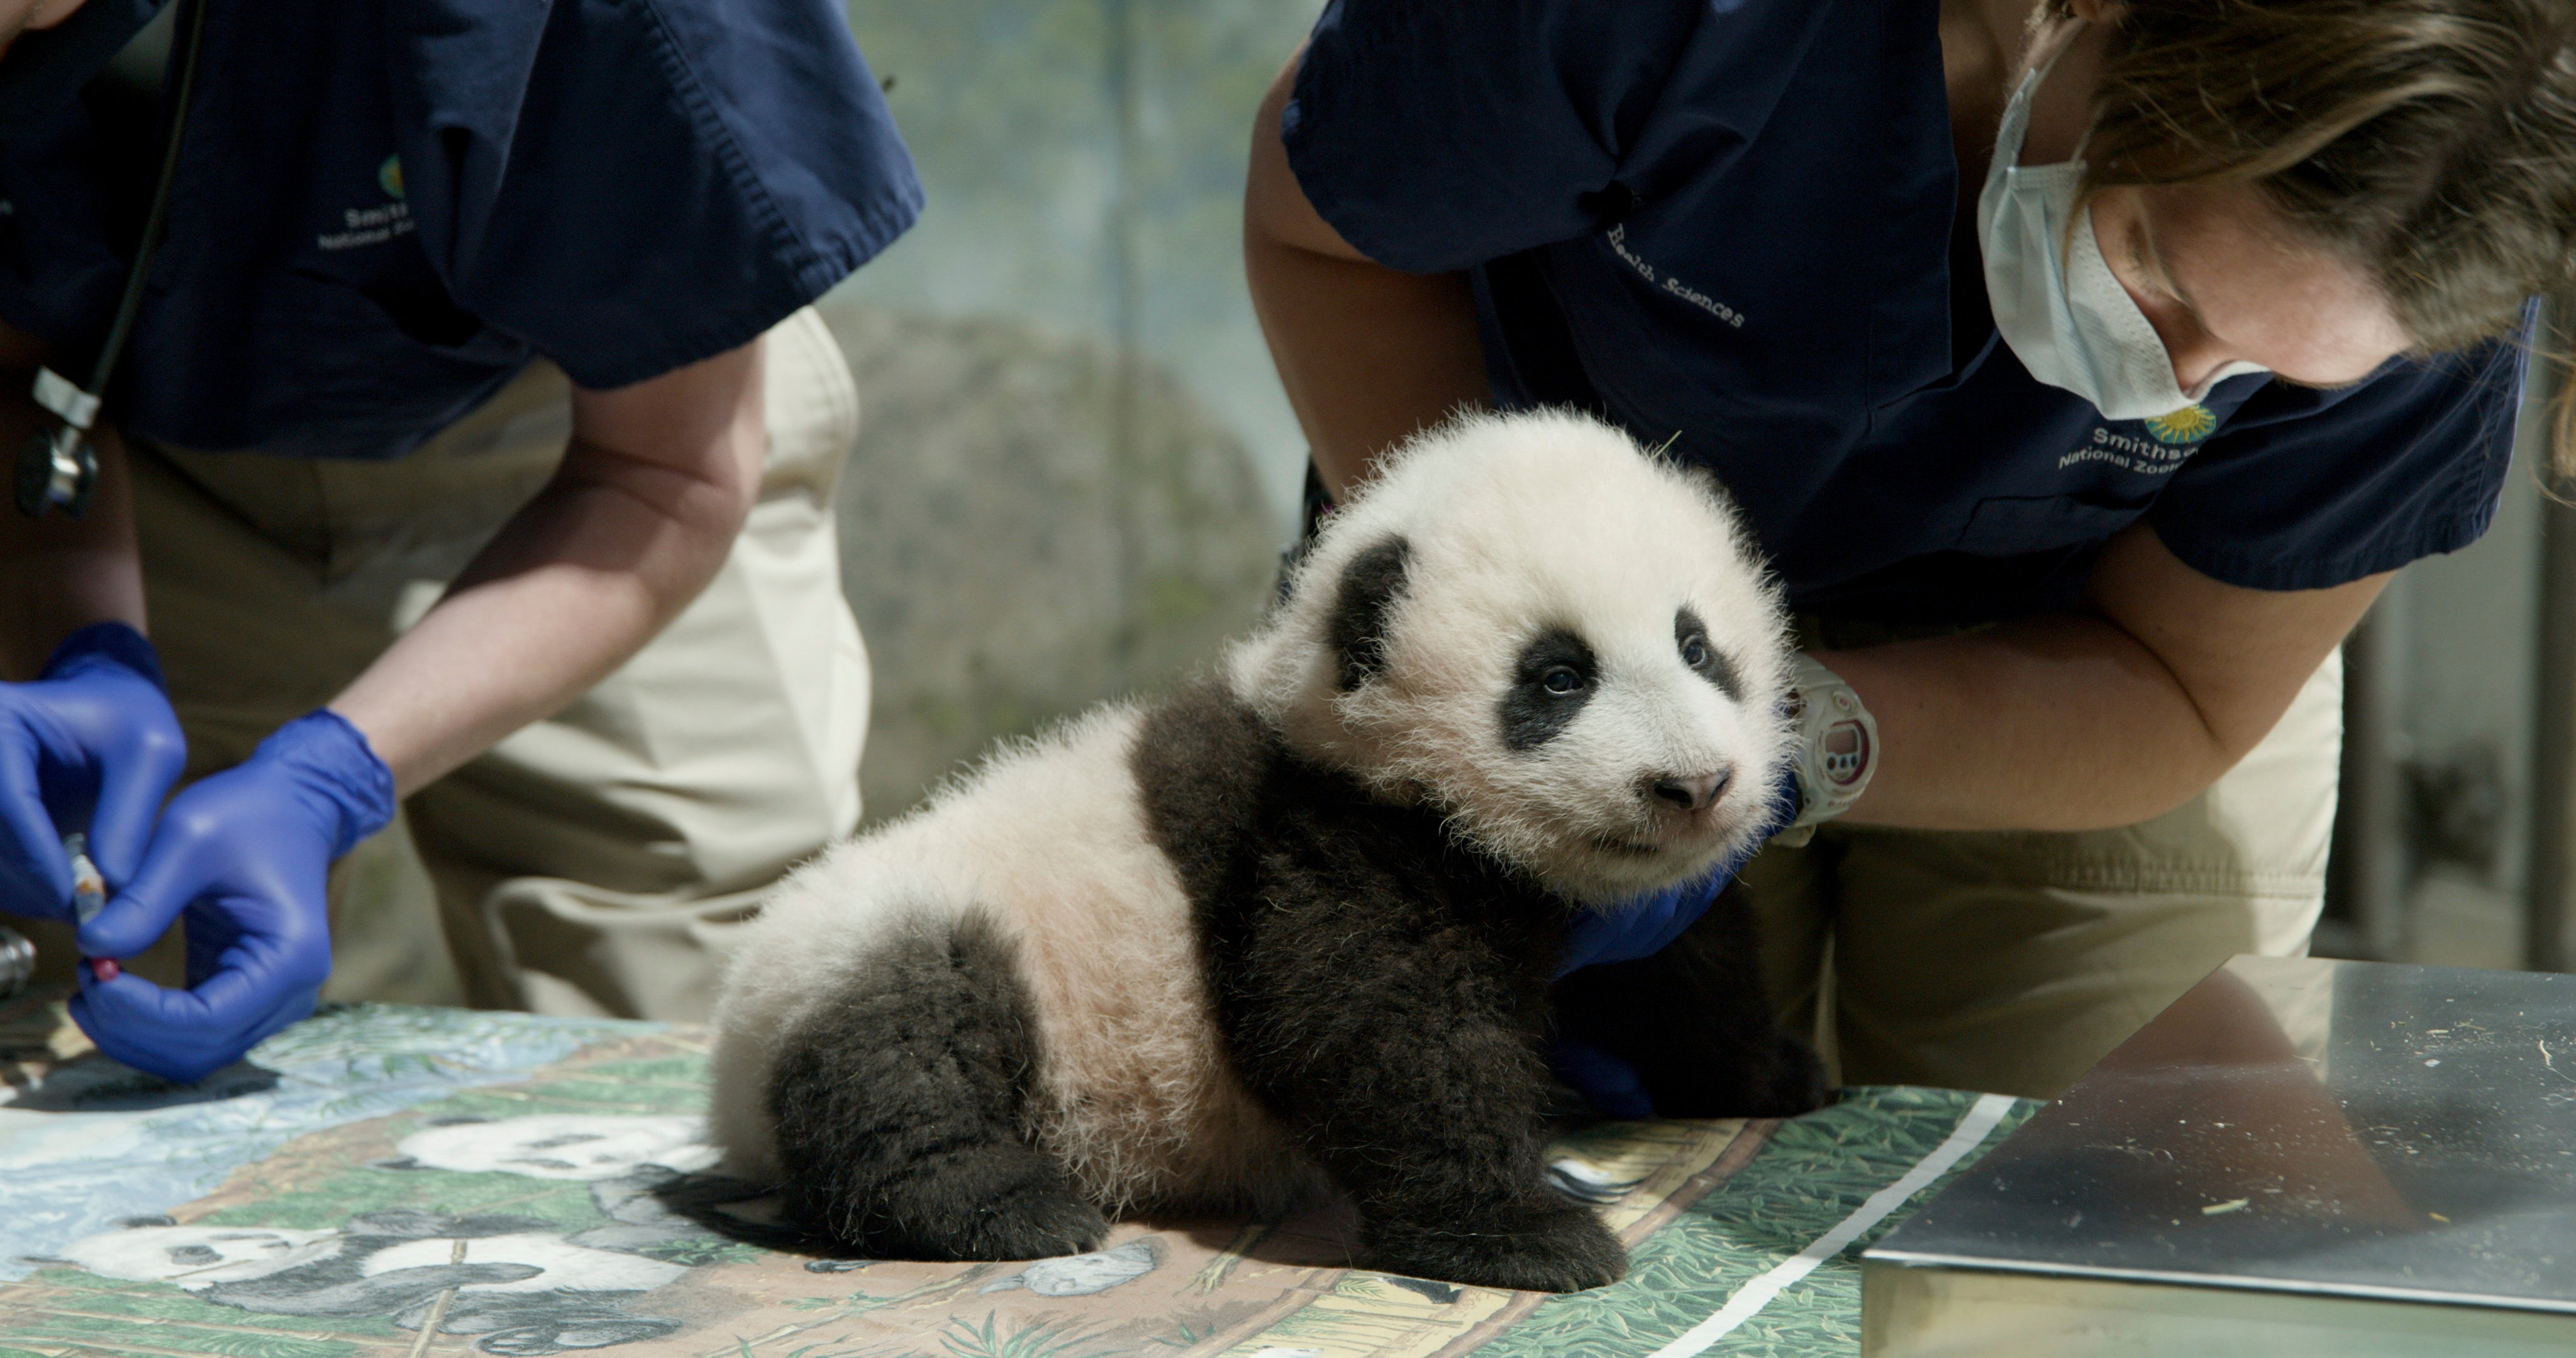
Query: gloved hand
(244, 854)
(1639, 929)
(90, 744)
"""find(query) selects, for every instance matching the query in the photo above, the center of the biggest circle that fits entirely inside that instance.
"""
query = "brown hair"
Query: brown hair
(2431, 141)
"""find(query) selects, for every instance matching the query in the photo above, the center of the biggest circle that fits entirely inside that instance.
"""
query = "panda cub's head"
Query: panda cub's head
(1565, 644)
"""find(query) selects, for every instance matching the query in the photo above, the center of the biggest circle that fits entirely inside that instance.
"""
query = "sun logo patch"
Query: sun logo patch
(389, 177)
(2190, 424)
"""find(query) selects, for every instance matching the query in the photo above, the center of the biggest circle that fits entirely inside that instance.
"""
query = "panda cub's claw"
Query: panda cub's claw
(1557, 1247)
(1032, 1221)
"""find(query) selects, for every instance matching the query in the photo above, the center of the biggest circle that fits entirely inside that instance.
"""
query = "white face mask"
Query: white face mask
(2056, 302)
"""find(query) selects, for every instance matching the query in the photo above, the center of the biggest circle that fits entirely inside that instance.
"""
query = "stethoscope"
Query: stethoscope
(58, 468)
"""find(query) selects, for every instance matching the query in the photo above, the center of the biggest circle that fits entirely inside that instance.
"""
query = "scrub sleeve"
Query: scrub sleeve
(598, 862)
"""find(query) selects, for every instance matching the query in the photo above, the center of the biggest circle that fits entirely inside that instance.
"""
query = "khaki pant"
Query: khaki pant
(596, 862)
(2011, 962)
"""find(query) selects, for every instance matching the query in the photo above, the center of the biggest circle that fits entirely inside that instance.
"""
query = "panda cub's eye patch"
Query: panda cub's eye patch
(1551, 681)
(1690, 635)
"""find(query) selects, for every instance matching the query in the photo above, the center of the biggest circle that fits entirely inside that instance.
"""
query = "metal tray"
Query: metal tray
(2299, 1156)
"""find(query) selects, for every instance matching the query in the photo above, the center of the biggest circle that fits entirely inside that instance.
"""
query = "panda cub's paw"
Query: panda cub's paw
(1031, 1221)
(1549, 1247)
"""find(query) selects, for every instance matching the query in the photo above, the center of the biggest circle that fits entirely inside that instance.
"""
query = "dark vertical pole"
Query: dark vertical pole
(2552, 869)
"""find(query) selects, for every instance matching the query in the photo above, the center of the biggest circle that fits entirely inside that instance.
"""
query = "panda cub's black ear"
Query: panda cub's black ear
(1363, 605)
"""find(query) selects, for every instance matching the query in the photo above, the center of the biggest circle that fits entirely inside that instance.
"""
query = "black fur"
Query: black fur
(1694, 1023)
(1361, 608)
(901, 1109)
(1534, 713)
(1715, 666)
(1383, 990)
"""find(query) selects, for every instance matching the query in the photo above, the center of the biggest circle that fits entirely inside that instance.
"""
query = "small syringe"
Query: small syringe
(89, 896)
(89, 890)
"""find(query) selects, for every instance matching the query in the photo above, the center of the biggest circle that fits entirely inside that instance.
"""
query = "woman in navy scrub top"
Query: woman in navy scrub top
(474, 447)
(2094, 611)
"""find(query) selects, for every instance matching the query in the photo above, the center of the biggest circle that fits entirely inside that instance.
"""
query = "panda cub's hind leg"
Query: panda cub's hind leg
(900, 1108)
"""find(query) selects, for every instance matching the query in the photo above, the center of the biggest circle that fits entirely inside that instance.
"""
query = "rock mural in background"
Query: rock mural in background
(1084, 161)
(1009, 556)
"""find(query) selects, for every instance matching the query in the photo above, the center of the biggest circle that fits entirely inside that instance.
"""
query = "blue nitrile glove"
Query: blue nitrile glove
(90, 745)
(1607, 1083)
(1640, 929)
(245, 854)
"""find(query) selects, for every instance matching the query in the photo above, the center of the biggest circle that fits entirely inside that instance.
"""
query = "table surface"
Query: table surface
(394, 1182)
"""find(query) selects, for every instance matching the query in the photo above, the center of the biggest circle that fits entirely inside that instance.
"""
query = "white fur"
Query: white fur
(1048, 838)
(1514, 525)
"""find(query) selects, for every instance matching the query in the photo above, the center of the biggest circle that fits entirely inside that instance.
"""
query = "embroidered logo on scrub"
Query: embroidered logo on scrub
(373, 225)
(2171, 439)
(2188, 425)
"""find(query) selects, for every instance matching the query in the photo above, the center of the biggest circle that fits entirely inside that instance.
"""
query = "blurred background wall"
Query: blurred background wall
(1076, 467)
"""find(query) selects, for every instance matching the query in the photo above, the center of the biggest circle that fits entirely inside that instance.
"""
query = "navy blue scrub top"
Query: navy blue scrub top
(1729, 222)
(386, 208)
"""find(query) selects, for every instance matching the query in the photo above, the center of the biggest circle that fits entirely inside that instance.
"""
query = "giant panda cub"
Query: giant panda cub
(1299, 919)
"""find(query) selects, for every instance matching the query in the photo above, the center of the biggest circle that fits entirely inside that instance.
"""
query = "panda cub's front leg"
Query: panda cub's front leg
(1444, 1162)
(1398, 1038)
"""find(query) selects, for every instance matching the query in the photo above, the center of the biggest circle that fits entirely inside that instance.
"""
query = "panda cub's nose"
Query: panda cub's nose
(1690, 792)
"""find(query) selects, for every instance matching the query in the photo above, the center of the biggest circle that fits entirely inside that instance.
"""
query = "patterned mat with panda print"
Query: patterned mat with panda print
(384, 1182)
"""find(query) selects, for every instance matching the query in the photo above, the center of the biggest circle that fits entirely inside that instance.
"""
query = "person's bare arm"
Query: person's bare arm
(2079, 721)
(1368, 354)
(657, 481)
(59, 574)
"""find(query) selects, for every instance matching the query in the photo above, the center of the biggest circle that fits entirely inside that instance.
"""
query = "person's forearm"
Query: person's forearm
(2109, 715)
(1367, 355)
(2057, 723)
(575, 584)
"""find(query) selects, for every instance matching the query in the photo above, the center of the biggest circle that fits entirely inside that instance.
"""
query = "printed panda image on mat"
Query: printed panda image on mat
(1294, 924)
